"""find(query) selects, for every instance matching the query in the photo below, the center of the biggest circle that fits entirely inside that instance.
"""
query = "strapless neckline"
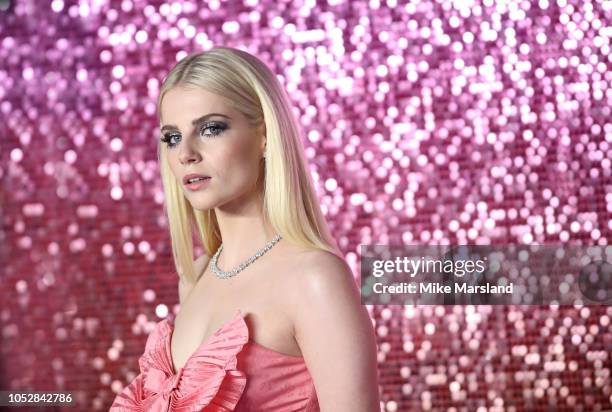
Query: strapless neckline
(214, 376)
(238, 317)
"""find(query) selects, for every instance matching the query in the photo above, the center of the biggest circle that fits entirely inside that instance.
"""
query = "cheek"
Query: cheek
(239, 161)
(237, 153)
(172, 163)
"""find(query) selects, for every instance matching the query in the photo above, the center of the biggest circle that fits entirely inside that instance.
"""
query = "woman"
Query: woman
(270, 316)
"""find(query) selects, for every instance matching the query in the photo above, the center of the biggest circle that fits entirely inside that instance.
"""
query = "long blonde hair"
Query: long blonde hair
(290, 203)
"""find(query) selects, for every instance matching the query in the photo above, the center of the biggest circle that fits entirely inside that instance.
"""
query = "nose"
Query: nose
(187, 153)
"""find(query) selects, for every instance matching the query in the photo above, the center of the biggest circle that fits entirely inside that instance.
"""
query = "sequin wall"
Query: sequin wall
(431, 122)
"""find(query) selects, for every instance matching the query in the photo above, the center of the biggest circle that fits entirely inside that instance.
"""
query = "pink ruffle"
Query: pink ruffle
(209, 380)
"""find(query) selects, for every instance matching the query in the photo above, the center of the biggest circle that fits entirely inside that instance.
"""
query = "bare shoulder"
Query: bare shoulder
(186, 285)
(316, 277)
(332, 327)
(324, 273)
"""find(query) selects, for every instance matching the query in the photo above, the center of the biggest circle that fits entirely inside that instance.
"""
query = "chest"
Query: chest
(257, 292)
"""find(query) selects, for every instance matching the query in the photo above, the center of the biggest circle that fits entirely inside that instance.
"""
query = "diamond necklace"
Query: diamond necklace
(224, 275)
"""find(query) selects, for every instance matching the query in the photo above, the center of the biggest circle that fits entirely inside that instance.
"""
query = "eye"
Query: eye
(215, 128)
(167, 138)
(172, 139)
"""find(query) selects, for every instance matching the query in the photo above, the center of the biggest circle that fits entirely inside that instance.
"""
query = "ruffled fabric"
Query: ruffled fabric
(209, 380)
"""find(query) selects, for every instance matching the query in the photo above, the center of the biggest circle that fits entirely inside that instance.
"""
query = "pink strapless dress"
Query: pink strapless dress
(227, 372)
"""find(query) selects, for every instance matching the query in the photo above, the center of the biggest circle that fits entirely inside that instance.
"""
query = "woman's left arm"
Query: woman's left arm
(335, 335)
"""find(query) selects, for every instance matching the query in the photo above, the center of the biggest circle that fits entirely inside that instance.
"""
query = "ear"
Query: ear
(263, 147)
(261, 132)
(264, 140)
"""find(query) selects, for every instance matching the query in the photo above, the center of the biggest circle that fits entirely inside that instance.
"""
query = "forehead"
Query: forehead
(180, 105)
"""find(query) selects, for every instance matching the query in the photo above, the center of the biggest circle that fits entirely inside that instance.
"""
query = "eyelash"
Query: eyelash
(211, 125)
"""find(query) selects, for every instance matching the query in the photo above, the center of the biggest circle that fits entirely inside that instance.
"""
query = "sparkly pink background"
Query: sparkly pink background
(427, 123)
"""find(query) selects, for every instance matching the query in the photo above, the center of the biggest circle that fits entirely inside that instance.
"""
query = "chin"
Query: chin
(202, 206)
(199, 202)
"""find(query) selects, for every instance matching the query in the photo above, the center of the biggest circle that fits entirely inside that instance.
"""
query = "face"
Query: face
(204, 135)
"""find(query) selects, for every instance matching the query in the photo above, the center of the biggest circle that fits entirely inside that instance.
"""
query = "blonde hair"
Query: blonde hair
(290, 203)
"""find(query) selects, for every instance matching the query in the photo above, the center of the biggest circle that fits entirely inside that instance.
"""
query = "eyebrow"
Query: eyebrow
(194, 122)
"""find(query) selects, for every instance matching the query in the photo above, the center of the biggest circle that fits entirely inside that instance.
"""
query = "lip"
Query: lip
(198, 185)
(191, 176)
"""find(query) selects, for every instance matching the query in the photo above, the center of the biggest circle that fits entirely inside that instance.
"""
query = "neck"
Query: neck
(243, 233)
